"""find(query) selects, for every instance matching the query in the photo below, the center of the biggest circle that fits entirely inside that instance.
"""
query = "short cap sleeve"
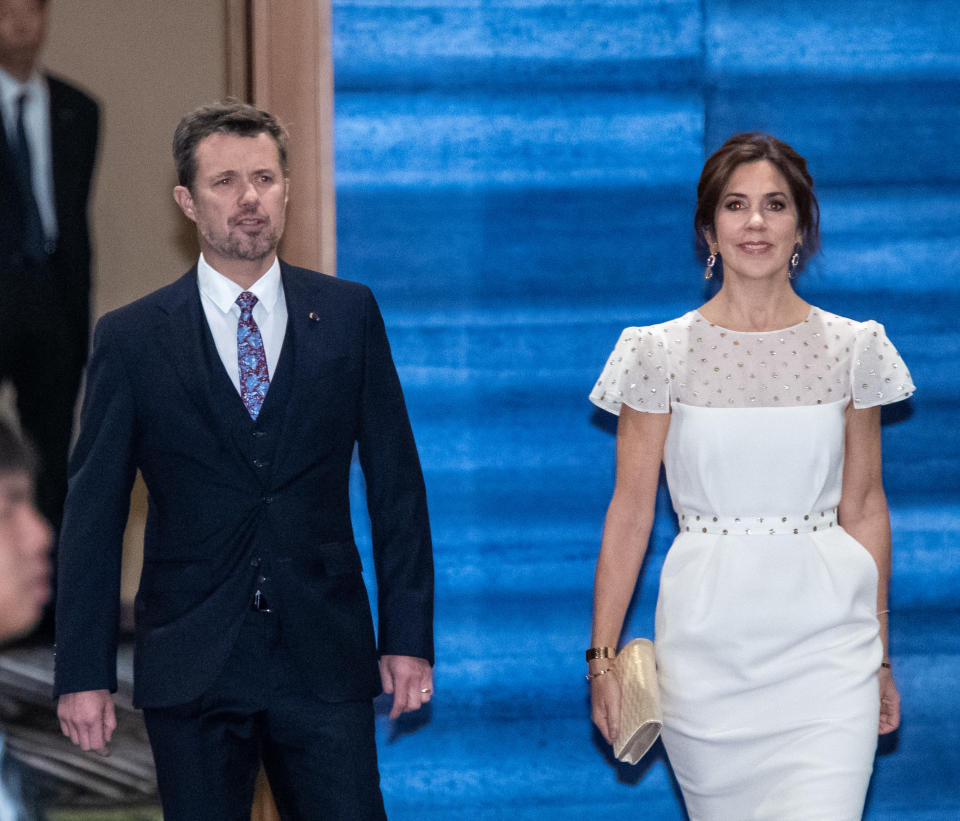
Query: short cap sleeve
(878, 374)
(636, 374)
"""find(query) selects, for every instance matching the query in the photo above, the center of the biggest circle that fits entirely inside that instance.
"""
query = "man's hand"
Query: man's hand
(88, 718)
(410, 679)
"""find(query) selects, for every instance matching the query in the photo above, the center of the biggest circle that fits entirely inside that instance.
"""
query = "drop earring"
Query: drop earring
(794, 262)
(711, 261)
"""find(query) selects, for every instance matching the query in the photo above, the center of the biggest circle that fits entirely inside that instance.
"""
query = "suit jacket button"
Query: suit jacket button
(269, 500)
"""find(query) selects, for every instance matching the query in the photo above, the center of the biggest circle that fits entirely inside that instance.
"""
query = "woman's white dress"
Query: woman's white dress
(767, 638)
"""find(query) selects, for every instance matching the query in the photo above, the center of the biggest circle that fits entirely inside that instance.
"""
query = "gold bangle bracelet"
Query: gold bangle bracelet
(592, 676)
(600, 653)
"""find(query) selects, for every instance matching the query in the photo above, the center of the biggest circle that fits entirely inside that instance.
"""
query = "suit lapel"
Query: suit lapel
(6, 160)
(63, 121)
(6, 166)
(180, 331)
(305, 340)
(4, 147)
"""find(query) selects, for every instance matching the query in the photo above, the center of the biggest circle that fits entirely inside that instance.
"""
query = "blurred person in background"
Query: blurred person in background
(25, 540)
(48, 144)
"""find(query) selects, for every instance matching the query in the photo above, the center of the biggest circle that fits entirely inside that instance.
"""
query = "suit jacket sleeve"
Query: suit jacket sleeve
(102, 470)
(74, 137)
(396, 501)
(85, 175)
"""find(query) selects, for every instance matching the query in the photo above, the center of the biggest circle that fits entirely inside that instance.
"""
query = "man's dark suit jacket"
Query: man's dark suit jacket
(74, 128)
(221, 502)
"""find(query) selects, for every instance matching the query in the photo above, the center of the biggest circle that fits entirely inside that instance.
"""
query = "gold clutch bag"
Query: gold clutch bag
(640, 716)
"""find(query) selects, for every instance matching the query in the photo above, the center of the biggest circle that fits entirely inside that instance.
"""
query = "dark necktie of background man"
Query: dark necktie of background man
(33, 239)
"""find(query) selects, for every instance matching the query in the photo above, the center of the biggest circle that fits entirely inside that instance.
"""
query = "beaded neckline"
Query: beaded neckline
(702, 318)
(688, 360)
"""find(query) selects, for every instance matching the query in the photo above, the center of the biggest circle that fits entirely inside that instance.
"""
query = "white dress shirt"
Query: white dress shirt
(36, 124)
(218, 296)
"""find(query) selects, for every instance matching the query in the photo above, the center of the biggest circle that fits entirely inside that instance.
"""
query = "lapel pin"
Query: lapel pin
(314, 317)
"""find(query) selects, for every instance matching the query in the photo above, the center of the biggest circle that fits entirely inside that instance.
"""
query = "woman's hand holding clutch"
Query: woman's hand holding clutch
(605, 697)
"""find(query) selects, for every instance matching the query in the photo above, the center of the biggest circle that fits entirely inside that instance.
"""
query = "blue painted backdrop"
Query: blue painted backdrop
(516, 182)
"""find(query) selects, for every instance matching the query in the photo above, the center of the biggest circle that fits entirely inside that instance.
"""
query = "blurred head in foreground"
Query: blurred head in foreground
(25, 540)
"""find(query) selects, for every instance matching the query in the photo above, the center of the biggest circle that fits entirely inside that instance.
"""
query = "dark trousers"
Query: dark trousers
(320, 758)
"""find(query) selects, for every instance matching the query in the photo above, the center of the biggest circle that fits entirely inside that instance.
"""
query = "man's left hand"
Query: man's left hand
(409, 679)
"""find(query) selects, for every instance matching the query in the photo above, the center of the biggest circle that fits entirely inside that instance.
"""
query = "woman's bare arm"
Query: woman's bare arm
(865, 516)
(626, 532)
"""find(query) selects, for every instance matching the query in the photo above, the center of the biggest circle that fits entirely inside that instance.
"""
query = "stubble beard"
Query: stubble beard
(240, 245)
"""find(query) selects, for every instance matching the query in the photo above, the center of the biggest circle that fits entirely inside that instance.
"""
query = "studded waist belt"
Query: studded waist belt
(791, 524)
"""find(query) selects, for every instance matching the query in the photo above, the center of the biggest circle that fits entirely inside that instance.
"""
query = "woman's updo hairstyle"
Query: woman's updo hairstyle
(751, 147)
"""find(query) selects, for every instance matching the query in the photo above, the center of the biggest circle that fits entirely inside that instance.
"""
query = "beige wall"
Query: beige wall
(148, 62)
(293, 79)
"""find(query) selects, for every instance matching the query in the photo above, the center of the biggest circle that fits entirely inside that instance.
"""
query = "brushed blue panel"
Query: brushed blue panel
(526, 45)
(900, 38)
(549, 140)
(870, 130)
(520, 251)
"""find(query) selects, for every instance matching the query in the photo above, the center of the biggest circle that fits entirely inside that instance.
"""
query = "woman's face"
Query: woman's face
(755, 223)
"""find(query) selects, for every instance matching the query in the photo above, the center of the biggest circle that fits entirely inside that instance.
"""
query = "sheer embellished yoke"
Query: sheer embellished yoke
(826, 358)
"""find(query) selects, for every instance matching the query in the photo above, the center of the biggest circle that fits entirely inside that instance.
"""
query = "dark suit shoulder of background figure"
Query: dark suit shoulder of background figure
(75, 137)
(67, 92)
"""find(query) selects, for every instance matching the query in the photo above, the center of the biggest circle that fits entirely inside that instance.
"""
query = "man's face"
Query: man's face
(239, 198)
(25, 540)
(23, 28)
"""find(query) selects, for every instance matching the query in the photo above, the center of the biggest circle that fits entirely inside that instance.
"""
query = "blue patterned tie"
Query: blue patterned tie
(254, 378)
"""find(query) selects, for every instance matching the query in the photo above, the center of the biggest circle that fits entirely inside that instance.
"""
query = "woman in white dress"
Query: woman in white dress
(771, 623)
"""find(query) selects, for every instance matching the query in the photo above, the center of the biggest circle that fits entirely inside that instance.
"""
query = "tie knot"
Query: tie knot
(246, 301)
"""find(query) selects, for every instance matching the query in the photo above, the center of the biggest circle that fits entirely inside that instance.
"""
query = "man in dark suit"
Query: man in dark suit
(48, 143)
(239, 392)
